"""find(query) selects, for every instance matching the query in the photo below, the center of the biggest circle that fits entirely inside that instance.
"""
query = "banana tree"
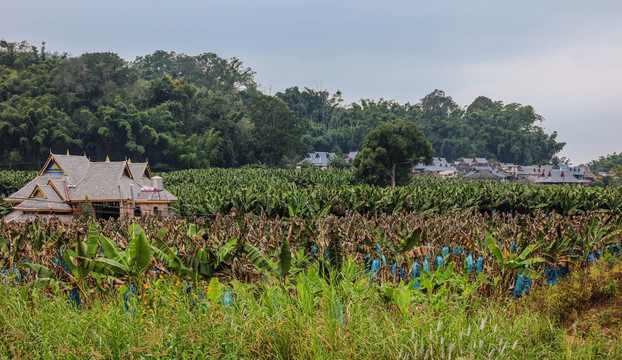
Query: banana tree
(78, 258)
(206, 263)
(10, 250)
(593, 236)
(559, 249)
(132, 263)
(406, 243)
(509, 263)
(265, 265)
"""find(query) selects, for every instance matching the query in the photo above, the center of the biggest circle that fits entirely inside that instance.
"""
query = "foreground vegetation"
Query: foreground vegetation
(301, 264)
(312, 317)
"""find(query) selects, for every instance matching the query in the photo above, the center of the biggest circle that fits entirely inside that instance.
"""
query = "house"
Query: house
(508, 168)
(351, 155)
(439, 167)
(603, 174)
(485, 173)
(114, 188)
(466, 164)
(537, 172)
(559, 177)
(318, 159)
(587, 173)
(576, 171)
(532, 173)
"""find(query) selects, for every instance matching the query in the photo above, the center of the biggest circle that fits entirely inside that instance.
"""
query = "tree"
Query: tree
(390, 151)
(277, 130)
(93, 80)
(204, 70)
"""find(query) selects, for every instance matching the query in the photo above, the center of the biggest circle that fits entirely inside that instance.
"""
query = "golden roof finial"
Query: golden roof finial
(107, 158)
(129, 160)
(67, 151)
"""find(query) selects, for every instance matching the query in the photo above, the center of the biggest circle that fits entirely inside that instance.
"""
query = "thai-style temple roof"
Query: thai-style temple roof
(66, 179)
(558, 177)
(43, 197)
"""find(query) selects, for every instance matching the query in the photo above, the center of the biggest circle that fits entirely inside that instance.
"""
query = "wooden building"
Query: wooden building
(114, 188)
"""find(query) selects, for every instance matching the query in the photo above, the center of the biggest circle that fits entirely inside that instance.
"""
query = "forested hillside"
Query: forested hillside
(183, 111)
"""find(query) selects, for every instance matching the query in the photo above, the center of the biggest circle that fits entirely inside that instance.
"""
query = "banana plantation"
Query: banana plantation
(449, 267)
(203, 193)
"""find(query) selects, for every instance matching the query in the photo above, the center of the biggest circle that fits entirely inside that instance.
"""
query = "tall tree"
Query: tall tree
(205, 70)
(277, 130)
(93, 80)
(390, 151)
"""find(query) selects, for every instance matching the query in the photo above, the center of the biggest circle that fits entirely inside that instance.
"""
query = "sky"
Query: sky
(563, 57)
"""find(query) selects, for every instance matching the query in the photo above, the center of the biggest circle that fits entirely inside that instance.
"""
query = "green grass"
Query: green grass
(304, 317)
(266, 321)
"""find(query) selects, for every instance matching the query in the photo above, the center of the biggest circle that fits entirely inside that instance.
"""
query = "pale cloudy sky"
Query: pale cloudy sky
(563, 57)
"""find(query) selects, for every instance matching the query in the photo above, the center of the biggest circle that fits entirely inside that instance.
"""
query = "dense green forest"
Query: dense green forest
(182, 111)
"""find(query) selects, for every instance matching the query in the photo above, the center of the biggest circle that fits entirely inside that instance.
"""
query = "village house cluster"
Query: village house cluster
(481, 168)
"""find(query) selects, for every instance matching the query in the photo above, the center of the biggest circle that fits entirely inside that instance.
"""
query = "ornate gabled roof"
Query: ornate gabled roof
(23, 193)
(72, 167)
(44, 197)
(71, 178)
(141, 172)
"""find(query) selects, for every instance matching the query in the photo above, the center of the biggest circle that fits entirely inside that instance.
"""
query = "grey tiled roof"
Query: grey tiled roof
(138, 172)
(319, 158)
(102, 181)
(23, 193)
(51, 201)
(558, 177)
(351, 155)
(74, 166)
(480, 173)
(21, 216)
